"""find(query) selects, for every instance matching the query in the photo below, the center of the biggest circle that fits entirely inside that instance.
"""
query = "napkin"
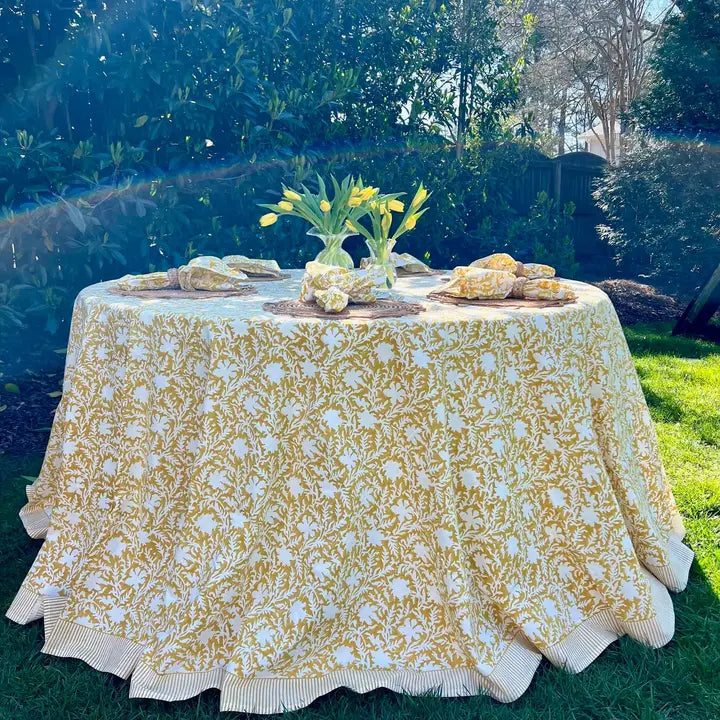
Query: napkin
(253, 266)
(332, 300)
(404, 262)
(497, 261)
(532, 271)
(479, 283)
(361, 286)
(547, 289)
(201, 273)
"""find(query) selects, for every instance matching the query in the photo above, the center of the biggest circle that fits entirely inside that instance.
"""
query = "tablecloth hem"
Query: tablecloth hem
(508, 681)
(35, 522)
(675, 574)
(589, 639)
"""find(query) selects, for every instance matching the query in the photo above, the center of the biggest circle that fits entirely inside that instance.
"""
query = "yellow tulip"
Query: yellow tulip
(411, 221)
(355, 191)
(420, 196)
(350, 226)
(325, 206)
(386, 222)
(367, 193)
(292, 195)
(396, 205)
(285, 205)
(268, 219)
(354, 201)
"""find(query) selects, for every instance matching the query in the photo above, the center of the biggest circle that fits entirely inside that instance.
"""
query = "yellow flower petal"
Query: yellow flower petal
(411, 222)
(420, 196)
(355, 201)
(325, 206)
(367, 193)
(292, 195)
(396, 205)
(350, 226)
(268, 219)
(285, 205)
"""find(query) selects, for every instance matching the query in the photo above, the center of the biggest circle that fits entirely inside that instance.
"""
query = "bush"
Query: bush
(663, 218)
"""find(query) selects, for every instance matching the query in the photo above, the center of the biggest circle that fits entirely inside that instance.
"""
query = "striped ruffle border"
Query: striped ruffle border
(508, 681)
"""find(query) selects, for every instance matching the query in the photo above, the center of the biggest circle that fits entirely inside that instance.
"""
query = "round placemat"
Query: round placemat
(507, 303)
(367, 311)
(267, 278)
(170, 293)
(400, 271)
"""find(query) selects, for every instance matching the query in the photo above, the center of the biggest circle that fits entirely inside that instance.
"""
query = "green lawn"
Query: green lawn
(681, 378)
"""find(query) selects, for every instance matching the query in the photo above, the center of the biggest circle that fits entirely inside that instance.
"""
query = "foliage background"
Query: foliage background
(135, 135)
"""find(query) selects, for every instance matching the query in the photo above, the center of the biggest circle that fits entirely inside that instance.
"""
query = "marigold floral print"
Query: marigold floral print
(280, 507)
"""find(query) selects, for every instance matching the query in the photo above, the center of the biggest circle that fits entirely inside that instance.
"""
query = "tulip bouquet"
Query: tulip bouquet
(332, 219)
(381, 239)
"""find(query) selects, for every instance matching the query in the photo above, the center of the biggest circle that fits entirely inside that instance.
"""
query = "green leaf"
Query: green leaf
(12, 387)
(55, 393)
(3, 407)
(141, 120)
(32, 478)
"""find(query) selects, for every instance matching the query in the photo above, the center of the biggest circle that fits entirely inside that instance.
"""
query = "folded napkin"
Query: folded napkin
(503, 261)
(361, 286)
(201, 273)
(332, 300)
(477, 283)
(532, 271)
(547, 289)
(253, 266)
(404, 262)
(497, 261)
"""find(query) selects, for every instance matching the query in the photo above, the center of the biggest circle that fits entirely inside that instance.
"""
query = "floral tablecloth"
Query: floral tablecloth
(277, 507)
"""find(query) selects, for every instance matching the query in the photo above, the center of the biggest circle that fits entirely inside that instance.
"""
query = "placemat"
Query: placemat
(170, 293)
(506, 303)
(368, 311)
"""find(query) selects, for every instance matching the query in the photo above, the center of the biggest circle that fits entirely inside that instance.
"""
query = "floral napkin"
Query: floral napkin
(404, 262)
(253, 266)
(357, 286)
(201, 273)
(499, 276)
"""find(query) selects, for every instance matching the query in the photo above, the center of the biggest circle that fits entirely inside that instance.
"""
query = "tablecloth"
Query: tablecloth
(277, 507)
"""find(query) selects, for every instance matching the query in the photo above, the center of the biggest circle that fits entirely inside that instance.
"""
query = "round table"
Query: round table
(277, 507)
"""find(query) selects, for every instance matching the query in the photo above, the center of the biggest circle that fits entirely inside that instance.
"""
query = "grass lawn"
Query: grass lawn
(681, 379)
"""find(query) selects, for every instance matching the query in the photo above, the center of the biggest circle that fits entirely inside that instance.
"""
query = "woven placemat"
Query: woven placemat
(169, 293)
(268, 278)
(400, 271)
(367, 311)
(507, 303)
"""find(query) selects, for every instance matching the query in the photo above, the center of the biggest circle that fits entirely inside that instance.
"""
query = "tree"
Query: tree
(684, 97)
(661, 202)
(590, 63)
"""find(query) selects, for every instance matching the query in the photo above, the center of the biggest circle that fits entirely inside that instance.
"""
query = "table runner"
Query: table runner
(278, 507)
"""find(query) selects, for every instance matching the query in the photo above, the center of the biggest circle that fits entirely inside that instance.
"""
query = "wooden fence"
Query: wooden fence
(569, 178)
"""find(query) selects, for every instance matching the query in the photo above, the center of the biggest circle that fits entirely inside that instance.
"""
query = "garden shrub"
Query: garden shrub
(663, 217)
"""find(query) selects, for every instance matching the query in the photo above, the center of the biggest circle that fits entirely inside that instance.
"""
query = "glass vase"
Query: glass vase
(333, 253)
(380, 256)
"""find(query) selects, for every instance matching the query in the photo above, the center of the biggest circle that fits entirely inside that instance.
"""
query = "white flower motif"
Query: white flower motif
(384, 352)
(444, 538)
(420, 358)
(297, 612)
(275, 372)
(344, 655)
(205, 523)
(332, 419)
(557, 497)
(399, 588)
